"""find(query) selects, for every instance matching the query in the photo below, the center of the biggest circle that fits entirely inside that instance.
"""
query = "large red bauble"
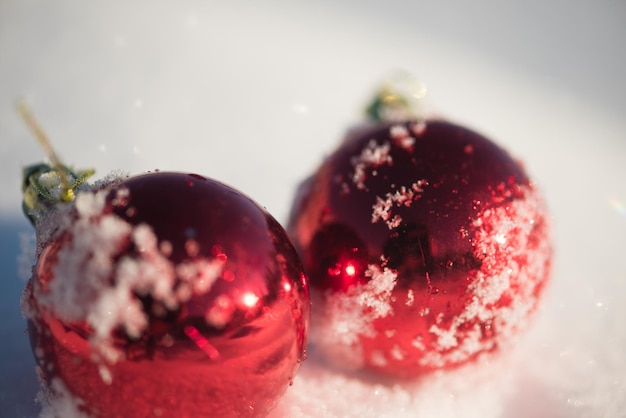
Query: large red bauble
(426, 246)
(167, 295)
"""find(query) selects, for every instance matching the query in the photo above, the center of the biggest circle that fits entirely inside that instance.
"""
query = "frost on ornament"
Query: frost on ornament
(166, 294)
(450, 216)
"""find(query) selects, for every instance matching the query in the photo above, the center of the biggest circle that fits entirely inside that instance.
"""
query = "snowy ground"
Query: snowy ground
(255, 94)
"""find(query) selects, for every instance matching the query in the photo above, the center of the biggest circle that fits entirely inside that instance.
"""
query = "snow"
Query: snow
(419, 128)
(373, 155)
(87, 286)
(474, 391)
(57, 401)
(225, 87)
(347, 316)
(404, 196)
(512, 268)
(401, 137)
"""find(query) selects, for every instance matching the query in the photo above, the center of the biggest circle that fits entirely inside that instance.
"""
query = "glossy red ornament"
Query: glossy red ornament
(166, 295)
(426, 246)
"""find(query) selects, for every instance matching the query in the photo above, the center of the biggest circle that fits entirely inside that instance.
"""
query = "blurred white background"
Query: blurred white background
(256, 93)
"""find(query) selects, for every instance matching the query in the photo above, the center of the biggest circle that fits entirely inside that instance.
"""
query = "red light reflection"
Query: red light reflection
(202, 343)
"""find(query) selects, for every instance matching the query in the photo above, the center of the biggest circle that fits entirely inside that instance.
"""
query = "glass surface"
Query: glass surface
(255, 95)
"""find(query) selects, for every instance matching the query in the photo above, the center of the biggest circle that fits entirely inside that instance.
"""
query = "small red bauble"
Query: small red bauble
(426, 246)
(166, 295)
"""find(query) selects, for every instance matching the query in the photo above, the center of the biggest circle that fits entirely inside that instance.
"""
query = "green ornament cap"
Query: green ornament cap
(399, 98)
(46, 185)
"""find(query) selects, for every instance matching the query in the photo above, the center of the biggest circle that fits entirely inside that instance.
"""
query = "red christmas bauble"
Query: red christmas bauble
(426, 246)
(167, 295)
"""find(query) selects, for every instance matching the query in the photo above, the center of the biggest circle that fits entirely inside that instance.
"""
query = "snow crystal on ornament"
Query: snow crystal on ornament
(347, 317)
(372, 156)
(503, 292)
(381, 210)
(57, 401)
